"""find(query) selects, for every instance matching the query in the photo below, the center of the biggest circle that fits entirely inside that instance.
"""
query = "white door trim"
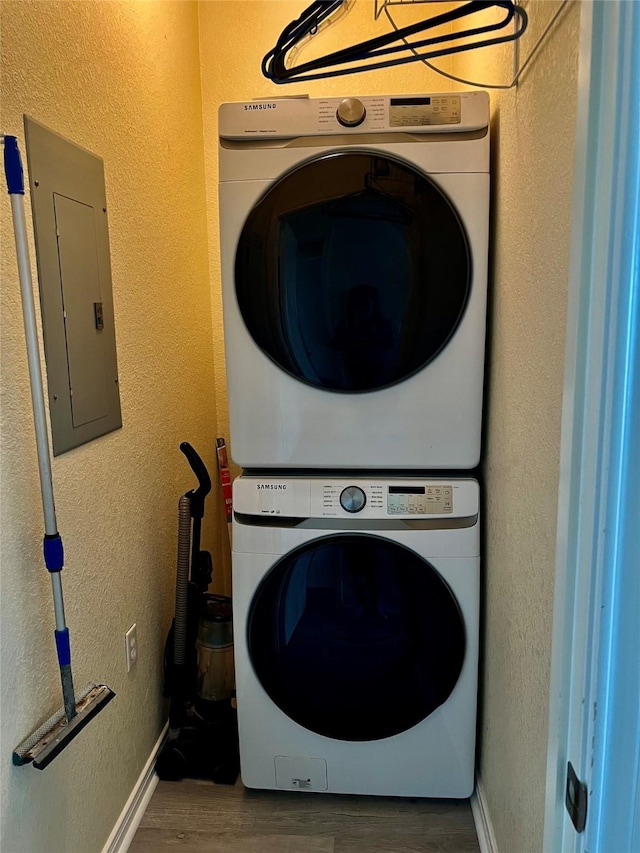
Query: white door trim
(600, 303)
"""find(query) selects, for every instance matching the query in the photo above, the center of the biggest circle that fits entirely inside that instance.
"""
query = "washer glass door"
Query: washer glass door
(353, 272)
(356, 637)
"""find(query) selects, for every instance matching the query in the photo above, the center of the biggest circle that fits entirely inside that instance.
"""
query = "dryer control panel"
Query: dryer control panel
(286, 118)
(368, 498)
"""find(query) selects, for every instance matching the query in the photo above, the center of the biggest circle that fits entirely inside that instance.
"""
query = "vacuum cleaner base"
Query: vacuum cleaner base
(205, 747)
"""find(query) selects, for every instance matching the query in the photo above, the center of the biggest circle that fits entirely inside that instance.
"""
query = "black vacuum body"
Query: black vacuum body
(198, 657)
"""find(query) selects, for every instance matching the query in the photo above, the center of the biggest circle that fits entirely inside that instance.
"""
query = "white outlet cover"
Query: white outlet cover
(131, 647)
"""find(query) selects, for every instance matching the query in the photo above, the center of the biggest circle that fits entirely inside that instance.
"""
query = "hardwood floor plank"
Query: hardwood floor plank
(397, 844)
(197, 841)
(196, 794)
(195, 816)
(302, 822)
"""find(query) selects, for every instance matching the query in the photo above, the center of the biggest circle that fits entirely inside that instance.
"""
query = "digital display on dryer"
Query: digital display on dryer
(422, 112)
(410, 102)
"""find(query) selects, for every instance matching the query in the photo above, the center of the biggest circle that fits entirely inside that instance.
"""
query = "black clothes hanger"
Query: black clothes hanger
(374, 52)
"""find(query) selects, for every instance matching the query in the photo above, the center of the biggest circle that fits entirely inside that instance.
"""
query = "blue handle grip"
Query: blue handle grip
(64, 647)
(13, 166)
(53, 552)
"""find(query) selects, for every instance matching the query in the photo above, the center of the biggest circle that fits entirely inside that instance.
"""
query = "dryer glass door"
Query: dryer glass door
(353, 272)
(356, 637)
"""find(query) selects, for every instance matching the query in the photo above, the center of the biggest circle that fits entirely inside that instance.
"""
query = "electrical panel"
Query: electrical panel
(68, 202)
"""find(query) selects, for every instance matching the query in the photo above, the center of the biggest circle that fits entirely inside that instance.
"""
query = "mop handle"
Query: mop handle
(52, 545)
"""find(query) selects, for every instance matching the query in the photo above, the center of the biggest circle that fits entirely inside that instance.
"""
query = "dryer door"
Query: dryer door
(353, 272)
(356, 637)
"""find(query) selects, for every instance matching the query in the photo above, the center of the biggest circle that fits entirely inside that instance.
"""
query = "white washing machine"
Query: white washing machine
(354, 240)
(356, 606)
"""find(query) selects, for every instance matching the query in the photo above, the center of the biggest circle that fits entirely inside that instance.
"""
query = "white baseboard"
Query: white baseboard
(482, 820)
(131, 815)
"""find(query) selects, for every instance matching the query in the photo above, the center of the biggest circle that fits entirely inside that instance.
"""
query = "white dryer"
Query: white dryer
(356, 607)
(354, 240)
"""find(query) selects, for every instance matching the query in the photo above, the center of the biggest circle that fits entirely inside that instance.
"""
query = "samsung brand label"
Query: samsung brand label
(271, 486)
(261, 107)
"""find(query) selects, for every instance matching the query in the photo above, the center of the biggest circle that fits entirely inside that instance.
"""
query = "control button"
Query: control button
(351, 112)
(353, 499)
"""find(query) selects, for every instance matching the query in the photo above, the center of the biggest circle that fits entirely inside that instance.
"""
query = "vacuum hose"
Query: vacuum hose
(182, 580)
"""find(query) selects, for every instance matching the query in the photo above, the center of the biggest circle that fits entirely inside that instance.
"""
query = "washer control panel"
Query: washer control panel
(421, 500)
(367, 498)
(400, 499)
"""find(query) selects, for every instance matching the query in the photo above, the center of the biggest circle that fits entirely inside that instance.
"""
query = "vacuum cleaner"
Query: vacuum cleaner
(198, 660)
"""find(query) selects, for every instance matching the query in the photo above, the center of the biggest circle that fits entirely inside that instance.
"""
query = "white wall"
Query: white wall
(532, 165)
(123, 80)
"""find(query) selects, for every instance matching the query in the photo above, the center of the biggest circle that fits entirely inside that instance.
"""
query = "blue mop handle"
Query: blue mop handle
(53, 549)
(13, 166)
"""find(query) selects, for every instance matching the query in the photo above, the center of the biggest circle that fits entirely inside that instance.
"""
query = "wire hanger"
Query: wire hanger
(374, 53)
(520, 68)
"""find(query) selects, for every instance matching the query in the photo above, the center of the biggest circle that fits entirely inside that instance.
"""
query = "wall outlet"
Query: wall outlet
(131, 647)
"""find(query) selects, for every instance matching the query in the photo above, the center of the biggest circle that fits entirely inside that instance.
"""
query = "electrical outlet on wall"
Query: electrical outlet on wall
(131, 647)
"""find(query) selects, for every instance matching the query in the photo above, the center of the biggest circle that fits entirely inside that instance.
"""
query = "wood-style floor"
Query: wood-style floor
(200, 817)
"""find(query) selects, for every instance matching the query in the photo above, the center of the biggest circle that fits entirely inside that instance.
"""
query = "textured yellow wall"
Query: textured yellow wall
(123, 80)
(231, 71)
(532, 168)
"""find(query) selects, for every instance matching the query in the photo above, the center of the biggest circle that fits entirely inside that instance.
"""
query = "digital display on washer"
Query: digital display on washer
(421, 112)
(419, 500)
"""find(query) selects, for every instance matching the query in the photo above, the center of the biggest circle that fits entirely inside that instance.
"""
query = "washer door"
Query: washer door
(355, 637)
(353, 272)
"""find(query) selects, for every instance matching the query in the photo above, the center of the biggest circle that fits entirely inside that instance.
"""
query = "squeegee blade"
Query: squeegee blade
(51, 743)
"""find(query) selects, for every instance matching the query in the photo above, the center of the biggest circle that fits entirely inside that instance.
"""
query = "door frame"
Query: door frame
(594, 719)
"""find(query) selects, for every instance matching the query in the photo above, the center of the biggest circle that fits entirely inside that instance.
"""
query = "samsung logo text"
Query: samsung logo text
(261, 106)
(270, 486)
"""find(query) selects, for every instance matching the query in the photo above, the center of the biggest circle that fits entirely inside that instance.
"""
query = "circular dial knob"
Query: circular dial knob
(352, 499)
(351, 112)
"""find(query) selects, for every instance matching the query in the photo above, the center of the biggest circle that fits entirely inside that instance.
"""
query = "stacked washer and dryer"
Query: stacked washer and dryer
(354, 242)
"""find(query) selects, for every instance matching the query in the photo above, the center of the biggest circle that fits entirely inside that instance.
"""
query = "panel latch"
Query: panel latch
(97, 310)
(576, 799)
